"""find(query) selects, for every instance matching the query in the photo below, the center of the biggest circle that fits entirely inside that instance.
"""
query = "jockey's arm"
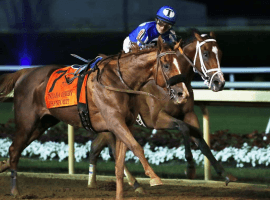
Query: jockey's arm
(171, 36)
(141, 40)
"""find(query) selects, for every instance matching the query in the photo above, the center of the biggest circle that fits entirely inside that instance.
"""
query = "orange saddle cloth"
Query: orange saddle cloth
(61, 92)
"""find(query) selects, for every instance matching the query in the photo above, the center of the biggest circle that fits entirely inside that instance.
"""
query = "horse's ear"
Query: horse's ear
(199, 38)
(177, 45)
(213, 35)
(159, 43)
(103, 55)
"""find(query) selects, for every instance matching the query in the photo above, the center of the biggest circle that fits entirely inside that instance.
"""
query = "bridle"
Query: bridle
(204, 74)
(167, 80)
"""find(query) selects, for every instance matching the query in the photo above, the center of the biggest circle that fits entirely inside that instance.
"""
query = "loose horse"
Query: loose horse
(200, 53)
(112, 106)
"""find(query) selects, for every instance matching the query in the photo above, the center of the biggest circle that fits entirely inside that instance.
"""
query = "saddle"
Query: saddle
(67, 87)
(92, 64)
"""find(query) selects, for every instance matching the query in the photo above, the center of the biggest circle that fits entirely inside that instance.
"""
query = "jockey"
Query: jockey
(148, 32)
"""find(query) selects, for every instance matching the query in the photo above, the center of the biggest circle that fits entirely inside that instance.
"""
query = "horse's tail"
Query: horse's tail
(7, 82)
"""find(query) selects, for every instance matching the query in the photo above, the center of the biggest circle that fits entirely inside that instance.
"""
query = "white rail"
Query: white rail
(199, 84)
(245, 98)
(240, 84)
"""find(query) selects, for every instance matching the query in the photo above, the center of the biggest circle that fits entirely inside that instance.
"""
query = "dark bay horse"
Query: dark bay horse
(200, 53)
(111, 101)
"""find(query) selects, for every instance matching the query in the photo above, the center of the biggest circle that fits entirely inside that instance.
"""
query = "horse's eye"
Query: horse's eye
(166, 66)
(205, 55)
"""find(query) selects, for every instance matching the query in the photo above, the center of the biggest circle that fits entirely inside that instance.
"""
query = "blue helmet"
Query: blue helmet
(167, 14)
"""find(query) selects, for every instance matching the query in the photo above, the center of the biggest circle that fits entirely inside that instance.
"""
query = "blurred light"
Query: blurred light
(25, 59)
(154, 131)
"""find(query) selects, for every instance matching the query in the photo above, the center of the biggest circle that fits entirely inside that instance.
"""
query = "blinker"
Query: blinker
(176, 79)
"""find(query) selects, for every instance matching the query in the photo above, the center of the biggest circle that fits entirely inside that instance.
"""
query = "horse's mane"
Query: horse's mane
(191, 37)
(136, 49)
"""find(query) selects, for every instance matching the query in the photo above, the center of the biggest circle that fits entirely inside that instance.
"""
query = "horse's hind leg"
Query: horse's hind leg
(103, 139)
(96, 147)
(27, 131)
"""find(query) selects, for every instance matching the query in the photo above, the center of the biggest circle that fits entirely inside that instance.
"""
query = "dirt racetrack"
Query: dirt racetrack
(67, 187)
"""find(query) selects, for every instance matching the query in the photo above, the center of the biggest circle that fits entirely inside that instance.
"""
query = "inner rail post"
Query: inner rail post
(206, 136)
(70, 149)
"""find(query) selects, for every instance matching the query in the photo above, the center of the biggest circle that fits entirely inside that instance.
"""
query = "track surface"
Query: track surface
(67, 187)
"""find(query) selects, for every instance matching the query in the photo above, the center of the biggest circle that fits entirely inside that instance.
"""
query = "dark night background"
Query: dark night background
(245, 45)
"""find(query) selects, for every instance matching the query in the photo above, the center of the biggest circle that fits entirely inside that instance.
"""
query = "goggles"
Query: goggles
(162, 23)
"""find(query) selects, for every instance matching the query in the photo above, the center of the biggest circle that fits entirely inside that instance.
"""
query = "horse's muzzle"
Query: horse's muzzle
(179, 94)
(218, 83)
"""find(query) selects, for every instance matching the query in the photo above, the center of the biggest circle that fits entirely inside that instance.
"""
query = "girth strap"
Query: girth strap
(82, 107)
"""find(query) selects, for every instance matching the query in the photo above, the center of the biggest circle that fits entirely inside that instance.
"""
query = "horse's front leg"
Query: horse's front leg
(131, 180)
(123, 133)
(107, 139)
(121, 149)
(192, 120)
(4, 165)
(166, 121)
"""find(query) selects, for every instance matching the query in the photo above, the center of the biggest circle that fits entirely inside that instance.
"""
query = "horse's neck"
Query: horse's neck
(190, 74)
(152, 88)
(138, 69)
(190, 51)
(186, 69)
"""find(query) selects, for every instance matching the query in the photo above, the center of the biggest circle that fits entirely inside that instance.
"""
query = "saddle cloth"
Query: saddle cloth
(61, 89)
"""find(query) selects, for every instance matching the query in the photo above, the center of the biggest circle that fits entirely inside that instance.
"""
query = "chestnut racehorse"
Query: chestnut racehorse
(197, 53)
(111, 101)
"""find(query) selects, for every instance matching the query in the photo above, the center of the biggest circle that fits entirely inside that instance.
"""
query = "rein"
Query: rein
(171, 92)
(131, 91)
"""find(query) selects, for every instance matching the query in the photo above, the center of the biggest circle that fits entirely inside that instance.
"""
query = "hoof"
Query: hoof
(155, 182)
(92, 185)
(230, 178)
(4, 165)
(15, 192)
(140, 190)
(191, 173)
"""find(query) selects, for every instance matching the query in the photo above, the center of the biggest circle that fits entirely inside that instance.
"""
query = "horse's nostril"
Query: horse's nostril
(216, 82)
(223, 83)
(180, 94)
